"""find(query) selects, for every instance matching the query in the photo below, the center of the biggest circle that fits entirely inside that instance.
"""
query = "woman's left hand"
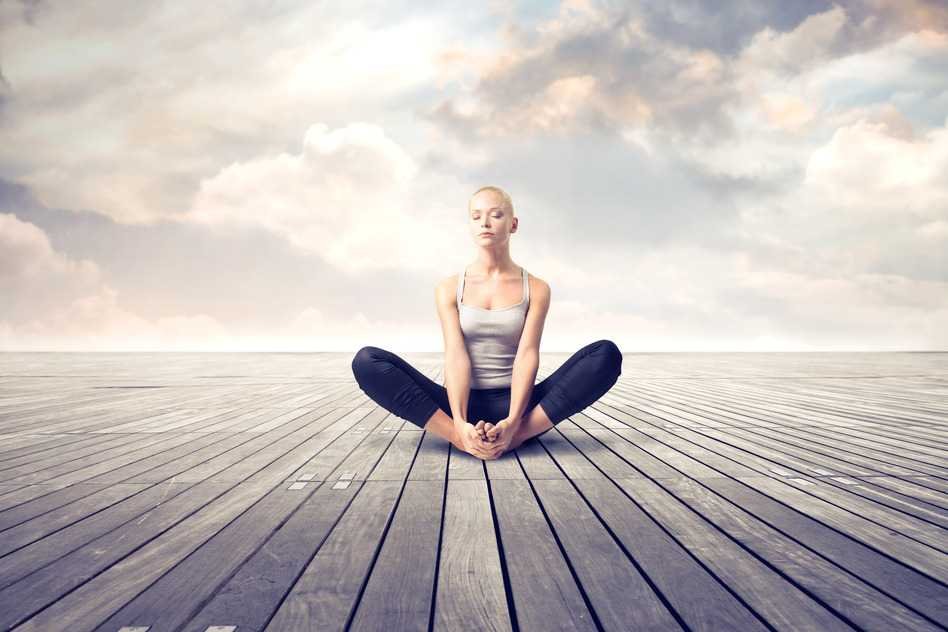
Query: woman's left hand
(499, 436)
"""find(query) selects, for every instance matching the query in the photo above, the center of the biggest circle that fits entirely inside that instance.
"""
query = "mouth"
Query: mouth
(483, 234)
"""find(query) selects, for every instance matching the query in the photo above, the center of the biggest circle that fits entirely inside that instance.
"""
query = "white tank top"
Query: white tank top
(492, 336)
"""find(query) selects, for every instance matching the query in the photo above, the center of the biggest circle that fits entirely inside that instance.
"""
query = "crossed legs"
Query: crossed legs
(403, 390)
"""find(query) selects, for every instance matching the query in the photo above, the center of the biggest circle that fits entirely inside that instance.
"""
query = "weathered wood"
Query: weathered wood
(545, 594)
(470, 587)
(267, 491)
(399, 591)
(327, 592)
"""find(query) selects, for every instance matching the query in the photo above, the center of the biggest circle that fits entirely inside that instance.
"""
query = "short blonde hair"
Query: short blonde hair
(503, 194)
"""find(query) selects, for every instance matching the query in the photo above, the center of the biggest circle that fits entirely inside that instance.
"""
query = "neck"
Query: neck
(493, 262)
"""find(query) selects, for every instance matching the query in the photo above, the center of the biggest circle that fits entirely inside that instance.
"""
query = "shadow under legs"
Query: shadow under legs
(442, 425)
(536, 422)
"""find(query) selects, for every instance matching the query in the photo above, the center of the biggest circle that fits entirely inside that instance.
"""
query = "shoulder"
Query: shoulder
(448, 283)
(445, 289)
(539, 288)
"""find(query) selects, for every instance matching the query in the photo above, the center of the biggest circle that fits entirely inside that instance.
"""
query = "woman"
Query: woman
(492, 315)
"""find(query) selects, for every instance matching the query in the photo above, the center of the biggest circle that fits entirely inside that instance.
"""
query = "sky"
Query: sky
(294, 176)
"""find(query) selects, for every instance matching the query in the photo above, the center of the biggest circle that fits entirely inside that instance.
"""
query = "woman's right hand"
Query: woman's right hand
(472, 441)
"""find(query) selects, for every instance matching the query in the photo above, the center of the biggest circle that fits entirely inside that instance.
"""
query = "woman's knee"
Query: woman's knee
(610, 356)
(363, 359)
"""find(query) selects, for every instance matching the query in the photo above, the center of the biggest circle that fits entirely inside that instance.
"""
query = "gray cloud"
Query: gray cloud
(664, 67)
(27, 10)
(617, 198)
(244, 276)
(681, 173)
(614, 77)
(724, 27)
(5, 91)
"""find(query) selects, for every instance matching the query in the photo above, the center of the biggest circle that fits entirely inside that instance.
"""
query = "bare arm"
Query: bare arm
(457, 362)
(527, 361)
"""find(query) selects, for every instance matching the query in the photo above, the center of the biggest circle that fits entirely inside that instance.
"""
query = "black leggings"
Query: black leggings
(406, 392)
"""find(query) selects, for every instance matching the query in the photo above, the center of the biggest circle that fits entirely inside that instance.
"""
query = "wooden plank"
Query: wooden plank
(160, 465)
(881, 512)
(400, 590)
(835, 433)
(907, 525)
(911, 552)
(857, 602)
(351, 456)
(679, 554)
(470, 585)
(431, 460)
(545, 593)
(737, 449)
(462, 465)
(911, 488)
(44, 587)
(251, 597)
(919, 592)
(179, 593)
(678, 573)
(16, 445)
(193, 468)
(327, 591)
(881, 571)
(695, 475)
(27, 553)
(398, 458)
(124, 574)
(619, 594)
(90, 502)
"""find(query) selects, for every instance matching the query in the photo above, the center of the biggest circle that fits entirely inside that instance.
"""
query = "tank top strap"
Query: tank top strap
(461, 283)
(526, 285)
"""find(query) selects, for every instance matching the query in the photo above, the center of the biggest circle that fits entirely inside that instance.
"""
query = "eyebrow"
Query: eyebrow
(493, 208)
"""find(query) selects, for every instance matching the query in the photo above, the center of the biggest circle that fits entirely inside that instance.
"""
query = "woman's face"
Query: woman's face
(488, 214)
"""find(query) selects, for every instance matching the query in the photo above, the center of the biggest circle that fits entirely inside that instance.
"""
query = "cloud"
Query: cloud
(352, 196)
(815, 40)
(4, 90)
(53, 302)
(126, 110)
(592, 71)
(35, 279)
(596, 70)
(785, 112)
(871, 168)
(687, 176)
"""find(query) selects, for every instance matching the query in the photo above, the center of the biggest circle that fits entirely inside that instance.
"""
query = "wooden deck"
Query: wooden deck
(266, 491)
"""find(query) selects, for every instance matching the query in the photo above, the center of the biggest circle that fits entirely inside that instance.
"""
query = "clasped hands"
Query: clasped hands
(487, 440)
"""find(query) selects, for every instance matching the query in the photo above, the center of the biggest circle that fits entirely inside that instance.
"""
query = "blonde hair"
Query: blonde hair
(503, 194)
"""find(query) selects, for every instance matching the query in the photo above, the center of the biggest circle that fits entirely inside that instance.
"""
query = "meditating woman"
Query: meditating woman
(492, 315)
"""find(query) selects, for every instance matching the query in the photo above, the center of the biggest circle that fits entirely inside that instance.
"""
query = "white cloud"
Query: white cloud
(834, 129)
(352, 196)
(790, 104)
(53, 302)
(864, 169)
(34, 278)
(810, 42)
(125, 111)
